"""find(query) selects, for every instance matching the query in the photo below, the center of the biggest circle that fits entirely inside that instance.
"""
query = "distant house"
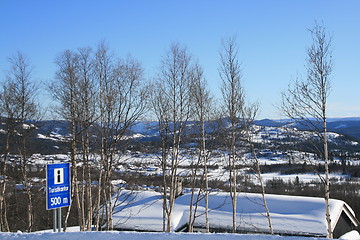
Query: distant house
(290, 215)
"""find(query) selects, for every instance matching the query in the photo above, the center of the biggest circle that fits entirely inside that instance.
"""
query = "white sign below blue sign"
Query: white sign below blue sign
(58, 193)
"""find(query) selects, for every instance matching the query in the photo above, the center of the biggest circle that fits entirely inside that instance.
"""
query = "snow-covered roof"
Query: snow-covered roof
(138, 210)
(142, 210)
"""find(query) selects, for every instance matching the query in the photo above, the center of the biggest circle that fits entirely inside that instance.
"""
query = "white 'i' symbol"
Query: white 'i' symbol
(58, 175)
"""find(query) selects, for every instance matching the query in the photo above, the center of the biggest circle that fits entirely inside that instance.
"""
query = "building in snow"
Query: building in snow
(290, 215)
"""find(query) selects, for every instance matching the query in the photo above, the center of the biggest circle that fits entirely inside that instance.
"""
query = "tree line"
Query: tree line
(100, 94)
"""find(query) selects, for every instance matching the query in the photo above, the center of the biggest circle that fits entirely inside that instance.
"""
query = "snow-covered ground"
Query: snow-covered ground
(114, 235)
(138, 236)
(304, 178)
(149, 164)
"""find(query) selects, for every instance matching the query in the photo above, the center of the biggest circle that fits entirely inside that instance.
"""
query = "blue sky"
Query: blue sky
(272, 38)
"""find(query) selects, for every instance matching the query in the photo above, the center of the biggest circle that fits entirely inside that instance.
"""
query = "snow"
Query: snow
(115, 235)
(138, 210)
(351, 235)
(41, 136)
(304, 178)
(26, 126)
(341, 126)
(133, 136)
(142, 210)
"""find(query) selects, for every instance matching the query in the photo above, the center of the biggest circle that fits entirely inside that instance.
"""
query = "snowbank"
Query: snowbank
(138, 236)
(353, 235)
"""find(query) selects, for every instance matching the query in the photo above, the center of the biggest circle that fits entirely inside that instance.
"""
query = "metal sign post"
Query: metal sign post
(58, 192)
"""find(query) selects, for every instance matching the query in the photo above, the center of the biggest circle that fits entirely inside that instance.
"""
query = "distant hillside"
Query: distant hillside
(269, 123)
(345, 126)
(52, 136)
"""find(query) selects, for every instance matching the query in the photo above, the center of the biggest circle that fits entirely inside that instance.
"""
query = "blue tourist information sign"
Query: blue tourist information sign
(57, 185)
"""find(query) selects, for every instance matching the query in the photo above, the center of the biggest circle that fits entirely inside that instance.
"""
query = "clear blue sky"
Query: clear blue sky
(272, 38)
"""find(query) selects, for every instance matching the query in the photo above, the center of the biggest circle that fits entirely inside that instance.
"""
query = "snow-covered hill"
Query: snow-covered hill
(52, 136)
(347, 126)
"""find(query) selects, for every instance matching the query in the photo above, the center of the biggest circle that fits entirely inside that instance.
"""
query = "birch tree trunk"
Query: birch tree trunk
(171, 105)
(122, 98)
(305, 100)
(24, 92)
(64, 90)
(233, 102)
(203, 108)
(8, 107)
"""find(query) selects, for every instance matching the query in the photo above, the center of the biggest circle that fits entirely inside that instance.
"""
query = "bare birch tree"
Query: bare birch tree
(172, 107)
(161, 109)
(64, 90)
(8, 107)
(122, 101)
(202, 108)
(249, 114)
(103, 62)
(97, 90)
(233, 104)
(24, 93)
(87, 95)
(306, 100)
(241, 116)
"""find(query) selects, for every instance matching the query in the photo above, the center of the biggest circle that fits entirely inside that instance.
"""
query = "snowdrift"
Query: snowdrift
(290, 215)
(138, 236)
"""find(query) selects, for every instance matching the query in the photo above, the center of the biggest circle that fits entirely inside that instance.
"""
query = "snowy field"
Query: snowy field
(139, 236)
(304, 178)
(149, 164)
